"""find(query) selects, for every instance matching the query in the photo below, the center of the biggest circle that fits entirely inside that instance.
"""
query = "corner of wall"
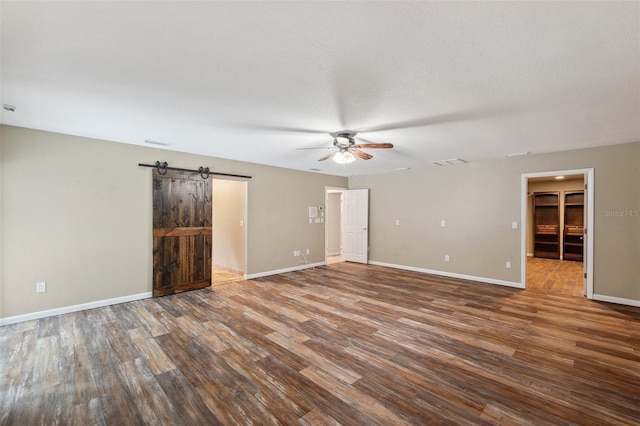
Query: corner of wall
(1, 224)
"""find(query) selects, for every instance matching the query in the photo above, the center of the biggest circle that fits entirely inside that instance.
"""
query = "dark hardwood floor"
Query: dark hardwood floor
(342, 344)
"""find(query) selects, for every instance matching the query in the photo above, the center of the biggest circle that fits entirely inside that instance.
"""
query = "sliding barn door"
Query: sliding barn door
(181, 232)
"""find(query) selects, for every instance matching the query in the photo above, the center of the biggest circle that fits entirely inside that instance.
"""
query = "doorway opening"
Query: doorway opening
(353, 226)
(229, 220)
(333, 224)
(557, 237)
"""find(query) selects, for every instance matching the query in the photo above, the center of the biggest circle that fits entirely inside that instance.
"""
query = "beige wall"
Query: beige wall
(229, 209)
(560, 186)
(480, 200)
(76, 213)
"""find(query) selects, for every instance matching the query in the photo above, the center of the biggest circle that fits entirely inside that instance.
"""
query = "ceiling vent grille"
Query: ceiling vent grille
(450, 162)
(150, 142)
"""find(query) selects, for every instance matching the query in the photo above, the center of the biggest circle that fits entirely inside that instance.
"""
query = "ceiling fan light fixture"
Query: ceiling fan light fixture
(343, 157)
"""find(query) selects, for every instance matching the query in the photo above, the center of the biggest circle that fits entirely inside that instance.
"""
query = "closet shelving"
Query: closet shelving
(546, 219)
(573, 238)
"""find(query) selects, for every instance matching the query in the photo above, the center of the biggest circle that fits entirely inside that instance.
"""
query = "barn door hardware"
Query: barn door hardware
(205, 172)
(162, 167)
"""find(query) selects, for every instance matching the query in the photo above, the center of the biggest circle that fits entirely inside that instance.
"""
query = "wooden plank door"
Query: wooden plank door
(356, 229)
(182, 218)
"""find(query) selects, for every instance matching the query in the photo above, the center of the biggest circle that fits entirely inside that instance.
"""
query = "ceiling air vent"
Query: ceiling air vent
(150, 142)
(451, 162)
(518, 154)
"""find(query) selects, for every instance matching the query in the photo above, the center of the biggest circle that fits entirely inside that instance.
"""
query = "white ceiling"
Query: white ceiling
(439, 80)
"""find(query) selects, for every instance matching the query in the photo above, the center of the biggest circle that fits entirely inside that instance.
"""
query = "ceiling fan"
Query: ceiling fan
(345, 150)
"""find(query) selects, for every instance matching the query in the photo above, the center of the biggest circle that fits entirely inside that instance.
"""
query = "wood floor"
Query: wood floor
(221, 276)
(555, 276)
(340, 344)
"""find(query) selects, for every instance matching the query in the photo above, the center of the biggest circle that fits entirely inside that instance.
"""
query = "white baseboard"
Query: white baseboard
(450, 274)
(282, 271)
(74, 308)
(140, 296)
(618, 300)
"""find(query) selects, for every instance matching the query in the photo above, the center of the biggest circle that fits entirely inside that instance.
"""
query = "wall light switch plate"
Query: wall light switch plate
(507, 265)
(514, 225)
(443, 223)
(446, 257)
(397, 221)
(41, 287)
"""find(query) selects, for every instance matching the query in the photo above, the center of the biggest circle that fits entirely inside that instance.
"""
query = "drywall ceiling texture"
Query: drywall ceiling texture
(439, 80)
(480, 201)
(77, 214)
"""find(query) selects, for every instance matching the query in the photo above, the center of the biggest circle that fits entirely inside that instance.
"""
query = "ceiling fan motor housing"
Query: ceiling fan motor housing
(344, 140)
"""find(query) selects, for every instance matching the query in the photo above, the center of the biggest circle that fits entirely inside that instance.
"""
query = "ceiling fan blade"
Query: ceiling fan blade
(456, 116)
(373, 145)
(324, 157)
(361, 154)
(318, 147)
(285, 129)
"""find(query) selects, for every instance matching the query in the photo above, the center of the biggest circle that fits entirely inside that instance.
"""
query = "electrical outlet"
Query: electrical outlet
(507, 265)
(41, 287)
(296, 252)
(443, 223)
(307, 251)
(397, 221)
(446, 257)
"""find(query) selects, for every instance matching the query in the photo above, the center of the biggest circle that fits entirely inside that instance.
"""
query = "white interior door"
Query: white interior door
(355, 238)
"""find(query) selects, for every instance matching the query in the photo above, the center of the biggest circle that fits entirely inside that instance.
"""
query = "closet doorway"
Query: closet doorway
(229, 233)
(333, 225)
(557, 217)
